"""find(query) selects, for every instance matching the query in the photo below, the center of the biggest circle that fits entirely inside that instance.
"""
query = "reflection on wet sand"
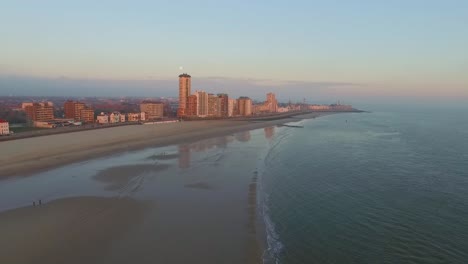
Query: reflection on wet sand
(70, 230)
(163, 156)
(269, 132)
(127, 176)
(243, 136)
(201, 146)
(200, 185)
(205, 145)
(184, 156)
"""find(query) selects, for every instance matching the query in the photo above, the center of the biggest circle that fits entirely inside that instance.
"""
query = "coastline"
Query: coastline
(31, 155)
(213, 203)
(152, 194)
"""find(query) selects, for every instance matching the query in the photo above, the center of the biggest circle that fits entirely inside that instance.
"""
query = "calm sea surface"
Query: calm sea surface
(382, 187)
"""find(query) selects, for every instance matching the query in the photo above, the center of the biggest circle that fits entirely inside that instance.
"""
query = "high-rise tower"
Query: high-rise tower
(184, 93)
(244, 104)
(271, 103)
(202, 103)
(223, 105)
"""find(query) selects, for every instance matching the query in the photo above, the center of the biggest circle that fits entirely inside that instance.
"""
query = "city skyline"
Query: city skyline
(311, 49)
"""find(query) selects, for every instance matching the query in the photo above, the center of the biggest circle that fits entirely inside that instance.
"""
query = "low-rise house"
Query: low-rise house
(114, 117)
(133, 117)
(143, 116)
(283, 109)
(4, 127)
(102, 118)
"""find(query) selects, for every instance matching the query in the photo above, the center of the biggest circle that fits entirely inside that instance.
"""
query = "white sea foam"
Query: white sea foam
(273, 243)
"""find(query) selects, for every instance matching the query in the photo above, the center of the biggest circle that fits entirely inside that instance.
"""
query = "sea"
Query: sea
(385, 186)
(388, 186)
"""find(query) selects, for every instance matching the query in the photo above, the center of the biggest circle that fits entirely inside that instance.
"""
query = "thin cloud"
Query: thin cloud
(278, 83)
(235, 87)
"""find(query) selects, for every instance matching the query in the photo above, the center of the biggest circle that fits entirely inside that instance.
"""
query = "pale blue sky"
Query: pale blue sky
(382, 48)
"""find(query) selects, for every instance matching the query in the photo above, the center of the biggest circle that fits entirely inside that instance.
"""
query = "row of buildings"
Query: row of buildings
(203, 104)
(199, 104)
(149, 110)
(41, 114)
(117, 117)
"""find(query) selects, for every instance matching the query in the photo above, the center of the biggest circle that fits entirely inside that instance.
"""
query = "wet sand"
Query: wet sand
(30, 155)
(202, 219)
(70, 230)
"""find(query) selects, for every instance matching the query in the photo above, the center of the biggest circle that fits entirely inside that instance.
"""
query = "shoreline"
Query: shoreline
(61, 150)
(27, 156)
(201, 196)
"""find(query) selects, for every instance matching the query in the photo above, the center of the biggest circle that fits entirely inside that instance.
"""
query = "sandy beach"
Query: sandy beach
(29, 155)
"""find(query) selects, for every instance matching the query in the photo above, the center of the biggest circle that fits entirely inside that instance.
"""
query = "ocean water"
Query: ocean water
(380, 187)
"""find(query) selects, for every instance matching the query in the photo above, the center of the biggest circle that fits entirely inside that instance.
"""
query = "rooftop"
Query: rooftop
(3, 121)
(185, 75)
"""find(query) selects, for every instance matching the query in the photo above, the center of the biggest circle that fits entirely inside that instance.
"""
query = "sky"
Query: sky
(320, 50)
